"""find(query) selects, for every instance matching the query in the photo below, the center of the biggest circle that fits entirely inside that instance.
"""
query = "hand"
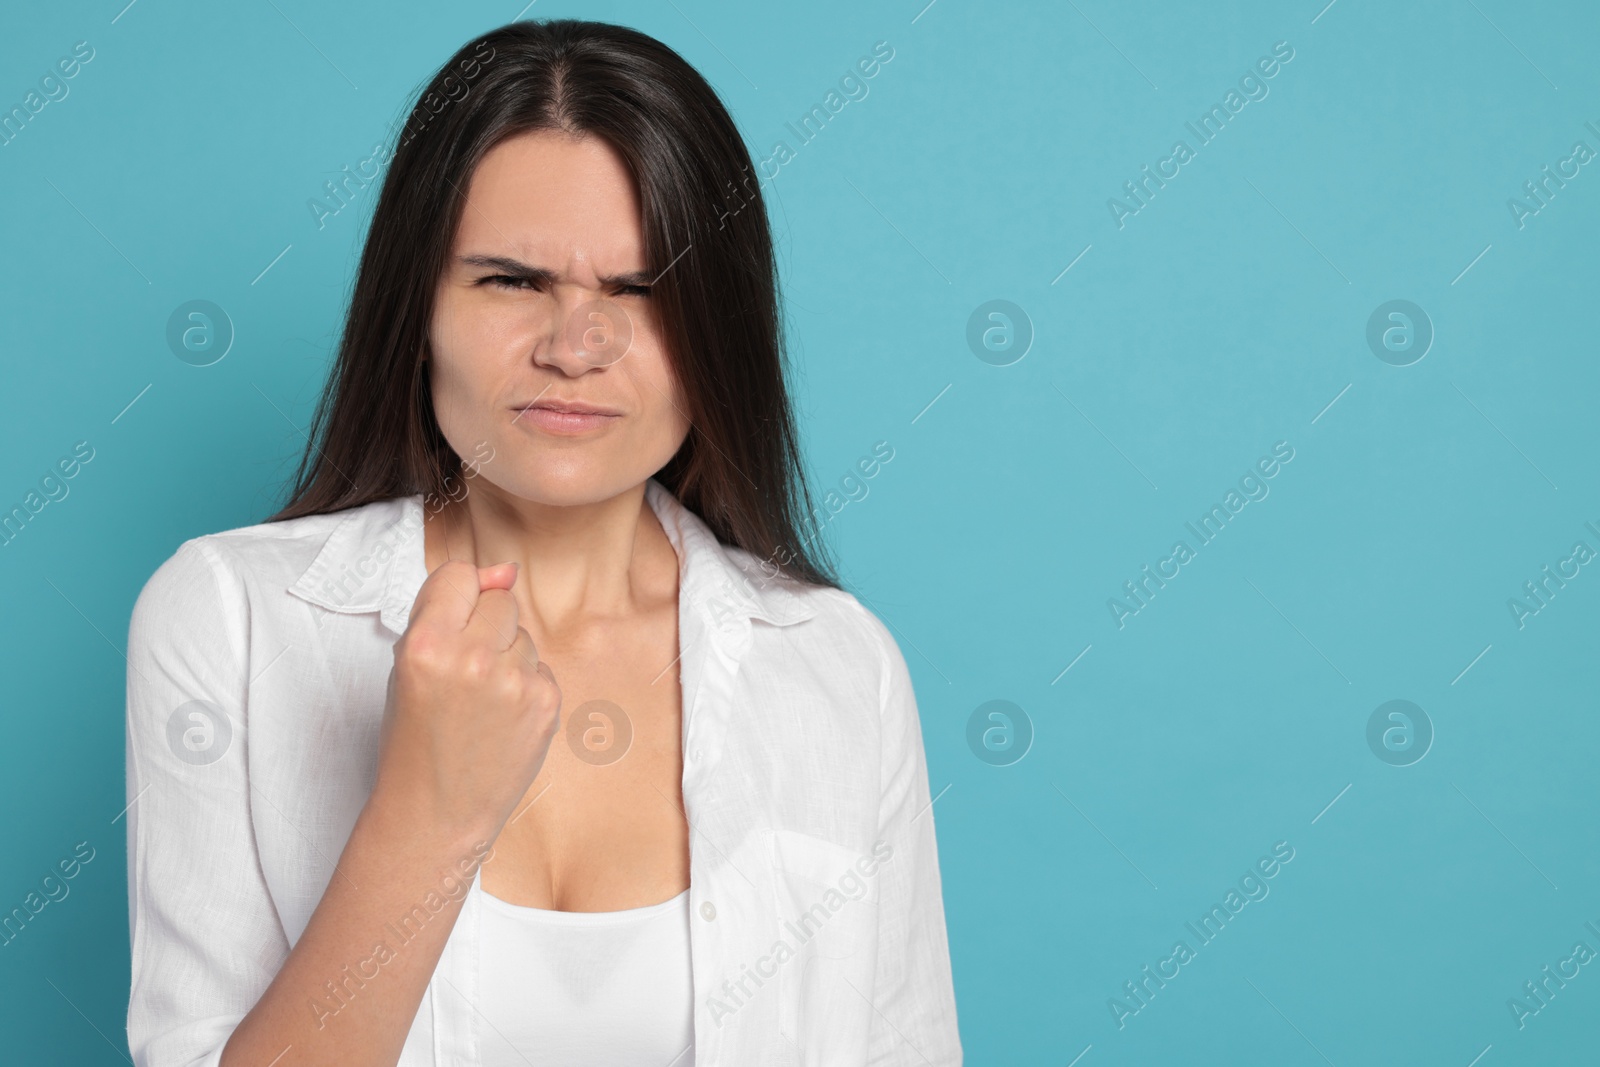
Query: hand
(470, 711)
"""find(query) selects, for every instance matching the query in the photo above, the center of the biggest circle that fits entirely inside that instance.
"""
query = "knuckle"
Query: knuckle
(477, 663)
(508, 685)
(415, 663)
(418, 642)
(548, 721)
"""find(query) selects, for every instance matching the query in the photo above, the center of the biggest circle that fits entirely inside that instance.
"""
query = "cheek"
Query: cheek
(465, 351)
(663, 401)
(453, 409)
(480, 332)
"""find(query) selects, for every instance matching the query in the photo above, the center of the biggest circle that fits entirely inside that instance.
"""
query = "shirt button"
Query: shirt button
(697, 755)
(708, 911)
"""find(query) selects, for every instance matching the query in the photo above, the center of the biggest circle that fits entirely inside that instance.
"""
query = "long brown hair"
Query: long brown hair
(374, 435)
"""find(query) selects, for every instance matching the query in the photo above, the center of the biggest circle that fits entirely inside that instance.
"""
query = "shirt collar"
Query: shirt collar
(373, 561)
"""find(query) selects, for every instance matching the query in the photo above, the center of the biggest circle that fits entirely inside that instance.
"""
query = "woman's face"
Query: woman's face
(535, 306)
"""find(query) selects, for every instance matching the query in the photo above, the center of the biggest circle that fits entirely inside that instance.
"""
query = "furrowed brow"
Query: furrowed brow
(518, 269)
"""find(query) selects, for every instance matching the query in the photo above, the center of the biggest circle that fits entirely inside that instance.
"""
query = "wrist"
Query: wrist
(408, 821)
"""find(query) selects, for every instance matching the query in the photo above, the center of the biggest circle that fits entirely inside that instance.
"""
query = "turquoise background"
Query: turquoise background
(1228, 314)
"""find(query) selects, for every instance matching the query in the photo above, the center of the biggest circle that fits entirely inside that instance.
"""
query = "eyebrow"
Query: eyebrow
(518, 269)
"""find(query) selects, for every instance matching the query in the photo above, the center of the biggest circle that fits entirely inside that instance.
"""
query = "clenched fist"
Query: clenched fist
(470, 711)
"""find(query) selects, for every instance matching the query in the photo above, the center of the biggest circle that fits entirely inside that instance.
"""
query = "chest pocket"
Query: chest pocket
(827, 908)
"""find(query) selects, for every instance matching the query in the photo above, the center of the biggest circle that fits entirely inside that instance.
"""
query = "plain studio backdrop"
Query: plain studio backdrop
(1369, 270)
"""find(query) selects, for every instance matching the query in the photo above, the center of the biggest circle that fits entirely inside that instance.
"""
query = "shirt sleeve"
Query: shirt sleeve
(206, 939)
(914, 1006)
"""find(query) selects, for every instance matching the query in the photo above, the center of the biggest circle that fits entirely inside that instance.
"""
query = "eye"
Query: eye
(505, 281)
(634, 290)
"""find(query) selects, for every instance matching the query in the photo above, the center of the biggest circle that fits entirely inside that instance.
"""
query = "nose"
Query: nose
(589, 331)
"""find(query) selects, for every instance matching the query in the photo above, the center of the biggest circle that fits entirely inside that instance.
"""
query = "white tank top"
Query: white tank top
(585, 989)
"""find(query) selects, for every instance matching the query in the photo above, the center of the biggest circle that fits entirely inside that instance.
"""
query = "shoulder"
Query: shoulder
(229, 564)
(862, 646)
(287, 548)
(849, 620)
(833, 623)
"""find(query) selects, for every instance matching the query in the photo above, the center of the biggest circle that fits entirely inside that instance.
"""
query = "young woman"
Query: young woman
(531, 731)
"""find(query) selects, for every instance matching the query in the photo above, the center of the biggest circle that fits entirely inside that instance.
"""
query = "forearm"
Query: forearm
(351, 986)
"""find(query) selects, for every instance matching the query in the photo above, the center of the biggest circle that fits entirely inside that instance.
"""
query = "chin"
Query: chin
(563, 482)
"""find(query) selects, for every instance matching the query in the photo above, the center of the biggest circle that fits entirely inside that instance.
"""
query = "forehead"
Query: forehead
(551, 199)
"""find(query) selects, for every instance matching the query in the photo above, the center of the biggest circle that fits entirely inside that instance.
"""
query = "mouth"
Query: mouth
(564, 417)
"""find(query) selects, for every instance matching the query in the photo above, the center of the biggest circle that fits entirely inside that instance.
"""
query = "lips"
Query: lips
(567, 407)
(564, 417)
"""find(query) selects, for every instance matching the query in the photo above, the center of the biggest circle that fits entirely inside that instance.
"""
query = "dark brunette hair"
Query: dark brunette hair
(706, 236)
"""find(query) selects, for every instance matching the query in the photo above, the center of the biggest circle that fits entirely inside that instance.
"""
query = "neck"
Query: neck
(578, 562)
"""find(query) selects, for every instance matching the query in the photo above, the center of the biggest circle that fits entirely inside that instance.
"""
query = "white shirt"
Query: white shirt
(586, 988)
(817, 932)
